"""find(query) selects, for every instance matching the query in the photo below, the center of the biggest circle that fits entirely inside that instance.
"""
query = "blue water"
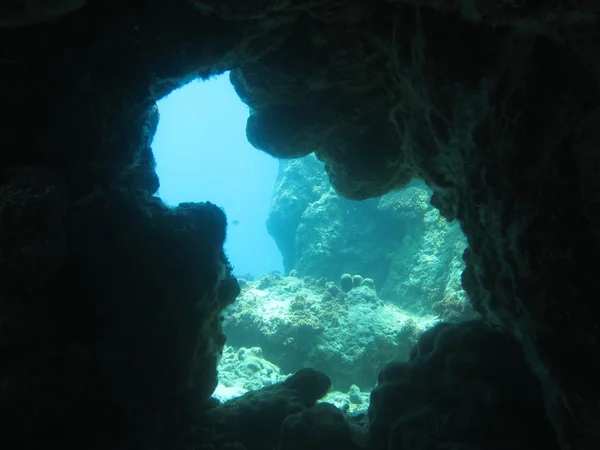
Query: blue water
(202, 154)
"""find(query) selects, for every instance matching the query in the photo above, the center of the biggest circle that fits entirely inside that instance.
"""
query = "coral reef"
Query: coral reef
(297, 322)
(245, 369)
(443, 397)
(346, 282)
(369, 283)
(453, 309)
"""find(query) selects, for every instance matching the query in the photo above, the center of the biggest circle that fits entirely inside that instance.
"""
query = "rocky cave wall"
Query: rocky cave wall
(494, 105)
(398, 240)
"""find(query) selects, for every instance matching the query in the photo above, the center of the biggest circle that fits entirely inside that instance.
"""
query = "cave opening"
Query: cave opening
(341, 285)
(363, 281)
(202, 154)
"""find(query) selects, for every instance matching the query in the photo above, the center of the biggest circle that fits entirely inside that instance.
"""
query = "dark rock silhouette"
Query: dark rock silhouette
(110, 302)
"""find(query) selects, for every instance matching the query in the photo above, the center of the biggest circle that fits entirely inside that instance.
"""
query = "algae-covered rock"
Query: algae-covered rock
(398, 241)
(300, 322)
(247, 369)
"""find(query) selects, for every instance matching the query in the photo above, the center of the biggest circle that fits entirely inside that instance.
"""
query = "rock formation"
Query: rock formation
(110, 302)
(399, 239)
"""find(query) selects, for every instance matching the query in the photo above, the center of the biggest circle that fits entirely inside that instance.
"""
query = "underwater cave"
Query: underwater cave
(201, 140)
(477, 125)
(313, 313)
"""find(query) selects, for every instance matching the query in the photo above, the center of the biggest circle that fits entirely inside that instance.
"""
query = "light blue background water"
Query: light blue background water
(202, 154)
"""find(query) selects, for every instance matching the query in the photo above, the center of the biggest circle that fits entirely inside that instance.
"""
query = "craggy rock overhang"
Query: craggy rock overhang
(495, 104)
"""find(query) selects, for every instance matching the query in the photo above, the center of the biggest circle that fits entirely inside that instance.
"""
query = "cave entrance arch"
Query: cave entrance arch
(364, 279)
(202, 154)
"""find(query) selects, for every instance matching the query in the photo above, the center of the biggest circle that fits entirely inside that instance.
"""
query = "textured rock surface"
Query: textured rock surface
(493, 103)
(254, 420)
(299, 183)
(482, 115)
(117, 345)
(18, 13)
(245, 369)
(456, 393)
(322, 427)
(302, 322)
(399, 240)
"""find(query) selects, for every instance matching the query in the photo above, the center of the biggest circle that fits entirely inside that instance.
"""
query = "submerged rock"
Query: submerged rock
(254, 420)
(398, 240)
(298, 322)
(466, 386)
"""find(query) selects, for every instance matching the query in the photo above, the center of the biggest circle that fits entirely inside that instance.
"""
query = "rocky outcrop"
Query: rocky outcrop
(455, 393)
(399, 240)
(304, 322)
(482, 115)
(259, 419)
(101, 337)
(299, 183)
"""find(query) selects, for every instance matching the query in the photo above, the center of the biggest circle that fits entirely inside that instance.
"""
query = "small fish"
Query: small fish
(235, 222)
